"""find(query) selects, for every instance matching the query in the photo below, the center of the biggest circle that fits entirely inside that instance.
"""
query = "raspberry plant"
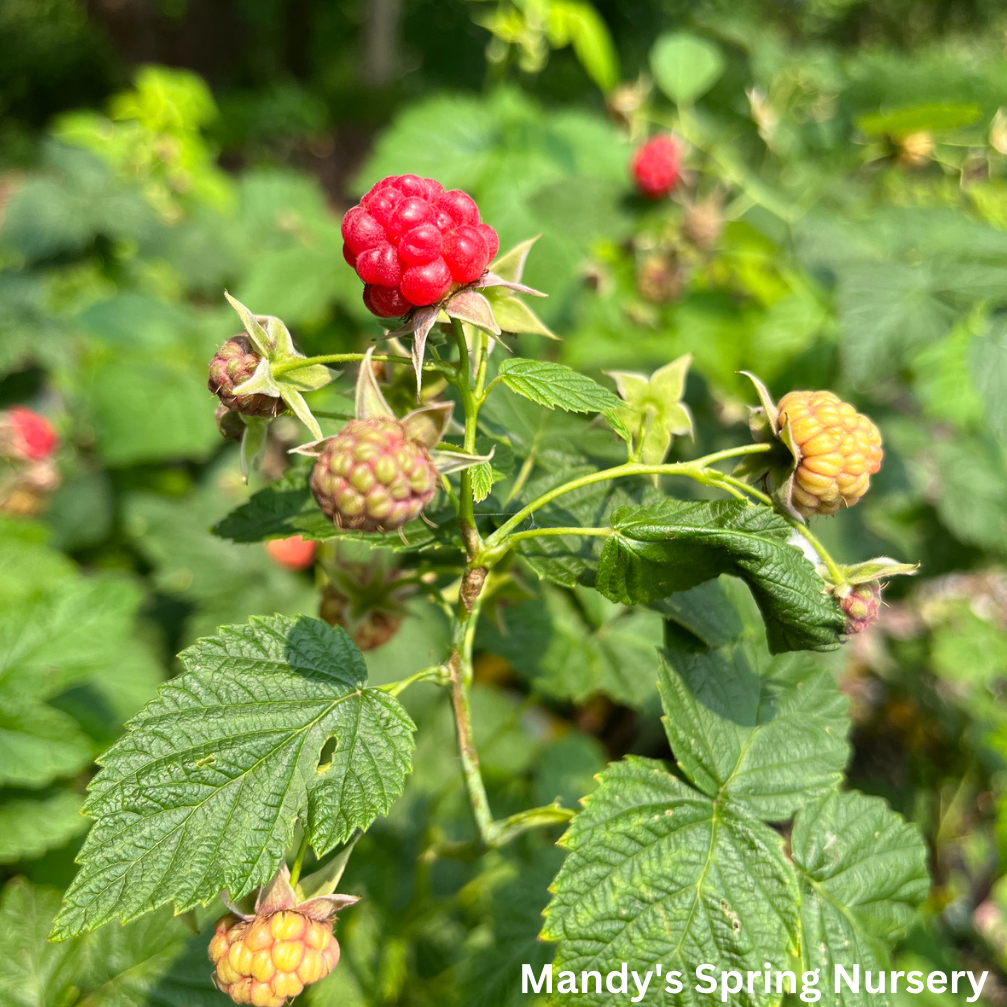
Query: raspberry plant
(272, 743)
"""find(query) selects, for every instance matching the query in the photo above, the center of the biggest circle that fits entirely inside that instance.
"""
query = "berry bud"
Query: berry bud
(295, 553)
(373, 476)
(371, 630)
(266, 960)
(232, 365)
(839, 450)
(860, 604)
(411, 243)
(655, 167)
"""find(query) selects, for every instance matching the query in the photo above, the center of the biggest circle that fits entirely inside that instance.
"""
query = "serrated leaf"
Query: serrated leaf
(685, 66)
(202, 792)
(656, 872)
(706, 611)
(862, 871)
(556, 386)
(770, 742)
(116, 967)
(674, 545)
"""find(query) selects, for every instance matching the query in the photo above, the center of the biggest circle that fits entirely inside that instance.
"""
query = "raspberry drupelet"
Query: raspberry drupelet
(411, 242)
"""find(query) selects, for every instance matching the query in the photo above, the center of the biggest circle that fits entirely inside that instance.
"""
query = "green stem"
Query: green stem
(539, 532)
(692, 470)
(830, 563)
(460, 672)
(296, 363)
(435, 673)
(295, 871)
(470, 405)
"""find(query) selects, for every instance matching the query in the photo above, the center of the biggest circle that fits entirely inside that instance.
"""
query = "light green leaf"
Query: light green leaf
(988, 367)
(863, 873)
(937, 118)
(685, 66)
(771, 741)
(577, 22)
(656, 872)
(231, 750)
(557, 386)
(675, 545)
(39, 744)
(29, 826)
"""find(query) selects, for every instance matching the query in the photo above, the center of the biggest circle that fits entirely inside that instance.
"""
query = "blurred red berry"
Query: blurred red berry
(655, 166)
(411, 242)
(295, 553)
(30, 436)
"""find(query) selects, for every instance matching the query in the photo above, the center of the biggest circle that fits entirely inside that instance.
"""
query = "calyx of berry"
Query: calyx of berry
(272, 341)
(488, 303)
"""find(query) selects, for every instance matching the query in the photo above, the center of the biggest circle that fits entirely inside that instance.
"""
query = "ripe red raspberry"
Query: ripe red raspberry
(232, 365)
(840, 450)
(860, 604)
(25, 435)
(373, 476)
(411, 242)
(268, 959)
(655, 166)
(295, 553)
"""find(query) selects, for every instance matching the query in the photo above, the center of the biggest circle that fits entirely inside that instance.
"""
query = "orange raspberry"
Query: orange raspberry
(840, 449)
(268, 959)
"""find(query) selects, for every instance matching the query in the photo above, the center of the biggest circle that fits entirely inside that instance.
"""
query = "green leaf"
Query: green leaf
(29, 826)
(287, 507)
(202, 792)
(558, 386)
(706, 611)
(675, 545)
(39, 744)
(863, 873)
(656, 872)
(988, 367)
(685, 66)
(577, 646)
(115, 967)
(771, 741)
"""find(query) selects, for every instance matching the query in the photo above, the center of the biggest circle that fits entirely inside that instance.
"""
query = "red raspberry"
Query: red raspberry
(655, 167)
(411, 243)
(26, 435)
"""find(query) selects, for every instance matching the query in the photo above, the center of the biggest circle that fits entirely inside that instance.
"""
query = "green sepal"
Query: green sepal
(470, 306)
(870, 570)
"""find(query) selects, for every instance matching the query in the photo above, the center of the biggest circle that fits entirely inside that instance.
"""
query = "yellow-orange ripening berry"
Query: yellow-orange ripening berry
(267, 960)
(840, 450)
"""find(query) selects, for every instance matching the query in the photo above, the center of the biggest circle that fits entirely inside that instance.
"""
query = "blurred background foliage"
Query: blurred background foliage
(843, 224)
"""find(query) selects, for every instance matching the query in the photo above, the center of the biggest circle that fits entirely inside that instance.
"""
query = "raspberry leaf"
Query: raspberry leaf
(862, 871)
(685, 66)
(31, 826)
(657, 871)
(675, 545)
(202, 792)
(769, 741)
(561, 387)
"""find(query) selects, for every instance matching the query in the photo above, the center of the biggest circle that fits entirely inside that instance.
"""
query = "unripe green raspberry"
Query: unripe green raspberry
(270, 958)
(373, 477)
(860, 604)
(840, 449)
(232, 365)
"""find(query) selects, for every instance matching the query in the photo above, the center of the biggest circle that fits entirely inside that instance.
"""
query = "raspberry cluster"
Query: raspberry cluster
(655, 166)
(232, 365)
(411, 241)
(840, 449)
(270, 958)
(373, 477)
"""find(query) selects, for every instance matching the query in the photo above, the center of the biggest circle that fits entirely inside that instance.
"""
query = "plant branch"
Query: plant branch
(696, 469)
(830, 563)
(295, 870)
(296, 363)
(435, 673)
